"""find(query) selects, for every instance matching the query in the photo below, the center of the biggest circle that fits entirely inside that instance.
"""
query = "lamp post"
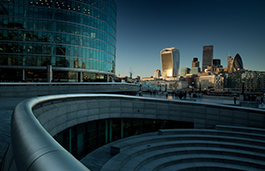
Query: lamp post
(243, 89)
(200, 87)
(140, 93)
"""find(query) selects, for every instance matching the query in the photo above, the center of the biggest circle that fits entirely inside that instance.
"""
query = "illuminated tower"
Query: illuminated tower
(170, 62)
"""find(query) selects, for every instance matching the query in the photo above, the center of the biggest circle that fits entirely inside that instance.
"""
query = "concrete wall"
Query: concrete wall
(40, 89)
(61, 115)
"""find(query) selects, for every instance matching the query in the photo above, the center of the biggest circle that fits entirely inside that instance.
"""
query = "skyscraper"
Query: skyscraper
(229, 64)
(234, 64)
(238, 63)
(217, 63)
(157, 73)
(207, 57)
(195, 62)
(184, 71)
(75, 40)
(170, 62)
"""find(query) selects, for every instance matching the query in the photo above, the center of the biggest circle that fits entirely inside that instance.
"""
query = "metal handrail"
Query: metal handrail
(34, 148)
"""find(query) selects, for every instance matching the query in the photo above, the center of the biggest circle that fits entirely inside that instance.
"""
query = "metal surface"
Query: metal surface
(34, 148)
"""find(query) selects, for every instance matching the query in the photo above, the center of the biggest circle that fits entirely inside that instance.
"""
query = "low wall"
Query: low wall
(41, 89)
(31, 134)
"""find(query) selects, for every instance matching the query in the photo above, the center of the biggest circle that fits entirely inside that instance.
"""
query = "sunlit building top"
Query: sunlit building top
(170, 62)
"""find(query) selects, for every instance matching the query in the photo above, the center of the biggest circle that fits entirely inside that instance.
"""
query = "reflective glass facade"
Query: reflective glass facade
(237, 63)
(81, 139)
(69, 35)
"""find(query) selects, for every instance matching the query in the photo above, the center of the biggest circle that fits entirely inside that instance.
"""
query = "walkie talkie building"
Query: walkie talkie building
(57, 40)
(170, 62)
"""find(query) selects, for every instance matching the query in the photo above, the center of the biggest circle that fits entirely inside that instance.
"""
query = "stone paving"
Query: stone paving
(6, 108)
(205, 99)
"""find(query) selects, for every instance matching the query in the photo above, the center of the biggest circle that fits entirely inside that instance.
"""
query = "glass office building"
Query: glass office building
(170, 62)
(237, 63)
(207, 57)
(57, 40)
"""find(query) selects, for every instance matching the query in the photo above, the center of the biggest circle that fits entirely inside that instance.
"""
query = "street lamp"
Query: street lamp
(243, 87)
(200, 87)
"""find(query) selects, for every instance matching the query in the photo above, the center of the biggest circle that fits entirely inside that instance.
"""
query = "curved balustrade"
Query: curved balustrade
(36, 120)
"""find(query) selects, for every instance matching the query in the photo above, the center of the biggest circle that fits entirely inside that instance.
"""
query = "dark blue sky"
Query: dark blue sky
(145, 27)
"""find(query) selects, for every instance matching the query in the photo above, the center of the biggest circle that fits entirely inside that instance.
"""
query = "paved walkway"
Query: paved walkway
(7, 106)
(207, 99)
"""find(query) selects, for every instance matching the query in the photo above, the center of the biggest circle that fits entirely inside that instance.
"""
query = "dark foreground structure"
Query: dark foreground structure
(82, 123)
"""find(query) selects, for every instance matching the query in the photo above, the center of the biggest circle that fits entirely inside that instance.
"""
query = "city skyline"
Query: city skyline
(146, 27)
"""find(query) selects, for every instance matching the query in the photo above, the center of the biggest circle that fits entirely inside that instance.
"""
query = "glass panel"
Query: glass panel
(116, 129)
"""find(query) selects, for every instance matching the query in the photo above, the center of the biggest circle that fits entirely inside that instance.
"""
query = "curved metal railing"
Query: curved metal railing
(34, 148)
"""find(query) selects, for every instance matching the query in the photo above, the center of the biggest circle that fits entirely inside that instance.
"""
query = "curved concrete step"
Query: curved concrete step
(249, 130)
(197, 166)
(212, 132)
(165, 153)
(222, 160)
(129, 154)
(117, 148)
(226, 148)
